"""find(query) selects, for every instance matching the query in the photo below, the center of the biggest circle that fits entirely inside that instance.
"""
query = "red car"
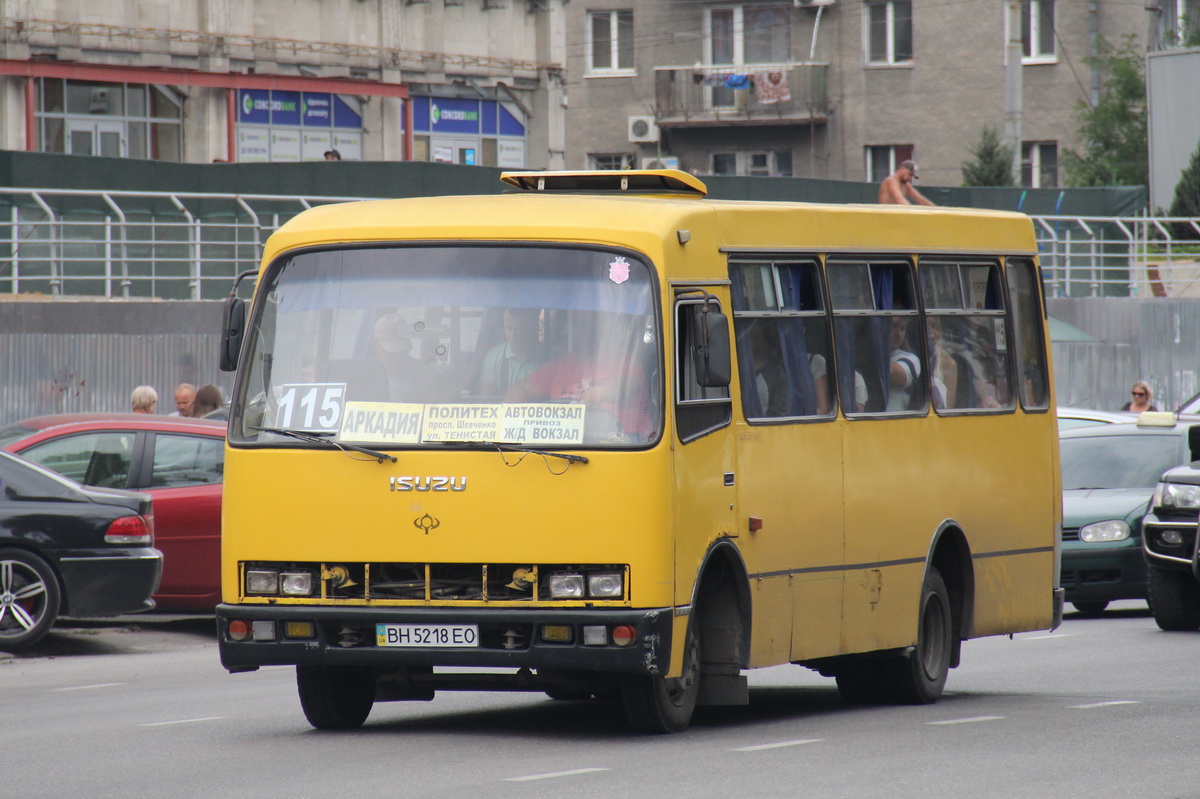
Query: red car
(178, 461)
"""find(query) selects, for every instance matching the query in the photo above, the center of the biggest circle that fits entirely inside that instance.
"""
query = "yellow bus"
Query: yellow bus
(602, 437)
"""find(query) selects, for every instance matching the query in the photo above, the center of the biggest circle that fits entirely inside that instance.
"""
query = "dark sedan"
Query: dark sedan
(1109, 474)
(180, 462)
(69, 550)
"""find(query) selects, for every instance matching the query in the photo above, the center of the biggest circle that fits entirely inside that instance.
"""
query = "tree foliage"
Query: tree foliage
(1187, 198)
(1113, 131)
(993, 164)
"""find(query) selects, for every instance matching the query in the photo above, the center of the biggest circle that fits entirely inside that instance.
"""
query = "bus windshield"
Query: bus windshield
(396, 346)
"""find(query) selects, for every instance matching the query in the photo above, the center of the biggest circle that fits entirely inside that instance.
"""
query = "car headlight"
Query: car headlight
(1177, 495)
(606, 585)
(566, 585)
(1114, 530)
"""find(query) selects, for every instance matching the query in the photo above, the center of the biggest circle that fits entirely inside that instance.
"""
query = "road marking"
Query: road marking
(90, 687)
(181, 721)
(554, 774)
(779, 745)
(1043, 637)
(1103, 704)
(971, 720)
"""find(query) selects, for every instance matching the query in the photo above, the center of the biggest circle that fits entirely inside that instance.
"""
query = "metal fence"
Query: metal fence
(129, 245)
(180, 246)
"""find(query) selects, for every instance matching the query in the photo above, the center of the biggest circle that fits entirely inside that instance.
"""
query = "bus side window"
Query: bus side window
(1027, 329)
(878, 340)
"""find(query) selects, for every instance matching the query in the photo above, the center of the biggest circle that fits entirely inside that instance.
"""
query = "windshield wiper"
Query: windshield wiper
(321, 438)
(519, 448)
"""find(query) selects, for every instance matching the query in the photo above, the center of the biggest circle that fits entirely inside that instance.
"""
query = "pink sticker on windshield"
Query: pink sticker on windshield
(618, 270)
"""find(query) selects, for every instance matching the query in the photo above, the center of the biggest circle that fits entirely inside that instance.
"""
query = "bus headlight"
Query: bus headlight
(1100, 532)
(566, 585)
(262, 582)
(606, 585)
(296, 583)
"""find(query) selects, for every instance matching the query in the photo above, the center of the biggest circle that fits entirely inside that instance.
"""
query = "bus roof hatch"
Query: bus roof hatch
(619, 181)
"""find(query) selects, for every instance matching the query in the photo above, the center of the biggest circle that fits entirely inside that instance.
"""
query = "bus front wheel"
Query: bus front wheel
(658, 705)
(336, 697)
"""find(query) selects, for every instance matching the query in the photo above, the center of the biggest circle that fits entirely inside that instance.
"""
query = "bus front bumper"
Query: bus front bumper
(552, 638)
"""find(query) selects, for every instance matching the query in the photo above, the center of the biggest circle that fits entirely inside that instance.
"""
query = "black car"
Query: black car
(69, 550)
(1109, 473)
(1170, 544)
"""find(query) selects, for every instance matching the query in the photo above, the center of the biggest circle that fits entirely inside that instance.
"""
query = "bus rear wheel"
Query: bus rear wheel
(336, 697)
(918, 677)
(663, 705)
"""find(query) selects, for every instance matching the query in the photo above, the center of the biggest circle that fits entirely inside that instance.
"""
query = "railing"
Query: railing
(753, 93)
(1095, 256)
(191, 246)
(135, 244)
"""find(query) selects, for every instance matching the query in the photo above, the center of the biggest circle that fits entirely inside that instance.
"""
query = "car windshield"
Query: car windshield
(424, 346)
(1117, 461)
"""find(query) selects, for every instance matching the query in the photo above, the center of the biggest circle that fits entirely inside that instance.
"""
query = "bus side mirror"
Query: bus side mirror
(711, 353)
(1194, 442)
(232, 330)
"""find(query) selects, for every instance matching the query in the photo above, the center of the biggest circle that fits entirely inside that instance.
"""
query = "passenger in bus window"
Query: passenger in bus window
(904, 367)
(601, 370)
(518, 356)
(408, 378)
(943, 370)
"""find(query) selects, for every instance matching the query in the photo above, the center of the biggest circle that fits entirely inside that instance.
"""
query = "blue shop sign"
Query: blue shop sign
(344, 116)
(455, 116)
(254, 106)
(316, 110)
(285, 108)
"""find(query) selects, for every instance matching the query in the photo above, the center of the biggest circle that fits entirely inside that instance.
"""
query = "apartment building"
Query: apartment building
(463, 81)
(840, 89)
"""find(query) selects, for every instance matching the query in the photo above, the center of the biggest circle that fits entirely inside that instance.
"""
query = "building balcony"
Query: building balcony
(750, 94)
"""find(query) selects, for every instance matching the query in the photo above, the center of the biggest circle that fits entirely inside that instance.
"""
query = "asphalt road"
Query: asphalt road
(1106, 706)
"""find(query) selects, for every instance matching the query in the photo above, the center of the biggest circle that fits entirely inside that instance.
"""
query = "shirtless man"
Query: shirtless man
(897, 188)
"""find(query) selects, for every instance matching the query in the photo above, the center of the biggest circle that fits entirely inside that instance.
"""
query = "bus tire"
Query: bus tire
(336, 697)
(30, 598)
(1174, 599)
(918, 677)
(662, 705)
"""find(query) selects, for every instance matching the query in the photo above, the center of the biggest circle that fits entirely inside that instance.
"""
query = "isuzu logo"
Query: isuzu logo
(427, 483)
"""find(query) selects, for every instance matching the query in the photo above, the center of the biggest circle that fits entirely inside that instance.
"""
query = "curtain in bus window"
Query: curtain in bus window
(1027, 329)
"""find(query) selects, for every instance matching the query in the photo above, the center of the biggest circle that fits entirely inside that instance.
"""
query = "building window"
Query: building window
(776, 163)
(724, 163)
(118, 120)
(1179, 23)
(1037, 31)
(610, 42)
(882, 159)
(610, 161)
(749, 35)
(889, 32)
(1039, 164)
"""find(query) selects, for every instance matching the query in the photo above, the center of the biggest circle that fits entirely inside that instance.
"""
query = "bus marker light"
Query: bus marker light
(556, 633)
(239, 630)
(595, 635)
(298, 629)
(755, 524)
(624, 635)
(263, 630)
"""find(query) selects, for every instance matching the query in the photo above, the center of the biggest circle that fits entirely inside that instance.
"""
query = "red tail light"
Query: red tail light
(130, 530)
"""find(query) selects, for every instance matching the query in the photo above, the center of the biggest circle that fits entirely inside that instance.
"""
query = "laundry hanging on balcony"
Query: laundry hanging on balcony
(771, 88)
(737, 81)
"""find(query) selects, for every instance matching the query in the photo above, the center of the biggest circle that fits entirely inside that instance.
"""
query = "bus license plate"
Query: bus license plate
(426, 635)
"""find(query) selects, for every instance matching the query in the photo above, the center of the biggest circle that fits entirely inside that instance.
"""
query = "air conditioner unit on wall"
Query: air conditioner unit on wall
(661, 162)
(642, 129)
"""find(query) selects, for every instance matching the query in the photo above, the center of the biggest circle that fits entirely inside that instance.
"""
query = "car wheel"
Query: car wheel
(1174, 600)
(336, 697)
(1096, 606)
(658, 705)
(29, 599)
